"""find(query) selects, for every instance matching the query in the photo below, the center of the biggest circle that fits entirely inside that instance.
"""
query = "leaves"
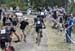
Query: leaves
(35, 3)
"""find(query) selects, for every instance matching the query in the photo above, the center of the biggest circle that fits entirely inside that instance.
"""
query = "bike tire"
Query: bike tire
(38, 40)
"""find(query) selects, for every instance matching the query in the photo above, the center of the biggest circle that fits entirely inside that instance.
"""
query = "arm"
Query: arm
(70, 25)
(43, 24)
(14, 32)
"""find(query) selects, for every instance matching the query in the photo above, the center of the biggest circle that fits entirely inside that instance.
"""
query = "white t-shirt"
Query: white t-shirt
(11, 8)
(19, 14)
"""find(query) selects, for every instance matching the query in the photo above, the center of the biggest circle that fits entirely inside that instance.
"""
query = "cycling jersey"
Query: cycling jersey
(38, 22)
(6, 32)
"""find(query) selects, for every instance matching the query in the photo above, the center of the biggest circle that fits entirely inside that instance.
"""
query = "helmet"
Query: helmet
(26, 18)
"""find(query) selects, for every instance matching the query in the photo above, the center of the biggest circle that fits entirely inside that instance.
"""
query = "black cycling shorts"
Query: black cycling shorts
(38, 27)
(7, 37)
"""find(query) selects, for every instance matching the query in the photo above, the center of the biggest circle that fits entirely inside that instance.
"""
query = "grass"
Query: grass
(74, 29)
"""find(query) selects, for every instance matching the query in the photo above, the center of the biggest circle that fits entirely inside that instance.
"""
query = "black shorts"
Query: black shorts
(38, 27)
(12, 30)
(7, 37)
(22, 27)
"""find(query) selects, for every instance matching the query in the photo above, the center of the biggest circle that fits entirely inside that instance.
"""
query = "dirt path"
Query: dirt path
(52, 41)
(56, 41)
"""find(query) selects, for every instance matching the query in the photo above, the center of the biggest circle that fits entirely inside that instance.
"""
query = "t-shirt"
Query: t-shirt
(23, 24)
(19, 14)
(70, 21)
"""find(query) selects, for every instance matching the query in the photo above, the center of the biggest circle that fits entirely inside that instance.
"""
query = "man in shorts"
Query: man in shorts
(23, 25)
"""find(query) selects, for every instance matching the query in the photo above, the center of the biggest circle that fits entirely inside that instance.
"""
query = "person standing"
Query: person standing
(69, 29)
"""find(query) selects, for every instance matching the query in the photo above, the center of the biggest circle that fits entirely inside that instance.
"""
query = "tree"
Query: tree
(35, 3)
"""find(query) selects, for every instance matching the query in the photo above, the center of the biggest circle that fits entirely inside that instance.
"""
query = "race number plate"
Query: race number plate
(3, 31)
(38, 22)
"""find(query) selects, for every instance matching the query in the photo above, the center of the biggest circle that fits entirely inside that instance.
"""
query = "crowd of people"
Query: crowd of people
(11, 20)
(62, 21)
(58, 17)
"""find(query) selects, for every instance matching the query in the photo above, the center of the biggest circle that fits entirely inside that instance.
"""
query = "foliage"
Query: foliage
(35, 3)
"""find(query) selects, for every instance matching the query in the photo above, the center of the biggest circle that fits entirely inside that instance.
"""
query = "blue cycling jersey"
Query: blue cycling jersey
(70, 21)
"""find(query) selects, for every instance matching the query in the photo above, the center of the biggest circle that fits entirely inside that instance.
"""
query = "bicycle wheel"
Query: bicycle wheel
(38, 39)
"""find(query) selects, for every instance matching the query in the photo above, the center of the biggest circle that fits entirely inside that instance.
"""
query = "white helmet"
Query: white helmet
(26, 18)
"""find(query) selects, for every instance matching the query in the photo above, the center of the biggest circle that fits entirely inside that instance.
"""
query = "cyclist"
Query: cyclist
(39, 24)
(42, 14)
(9, 32)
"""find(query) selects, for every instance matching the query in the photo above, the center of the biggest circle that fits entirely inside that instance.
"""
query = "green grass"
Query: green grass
(73, 29)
